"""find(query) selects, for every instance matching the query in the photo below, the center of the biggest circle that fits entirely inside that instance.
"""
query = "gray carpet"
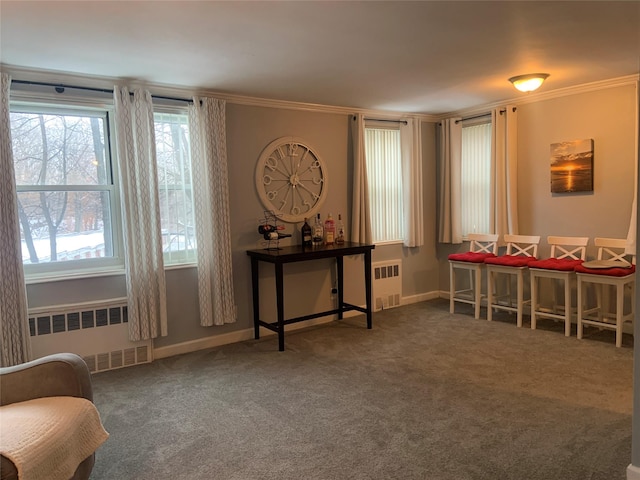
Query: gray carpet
(423, 395)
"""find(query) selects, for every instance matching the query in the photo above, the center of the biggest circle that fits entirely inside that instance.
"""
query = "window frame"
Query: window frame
(474, 123)
(182, 257)
(379, 125)
(90, 266)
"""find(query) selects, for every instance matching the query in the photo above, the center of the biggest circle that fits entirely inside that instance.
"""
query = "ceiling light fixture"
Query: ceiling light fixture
(529, 82)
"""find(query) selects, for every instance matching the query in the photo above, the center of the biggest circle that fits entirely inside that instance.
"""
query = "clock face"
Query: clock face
(291, 179)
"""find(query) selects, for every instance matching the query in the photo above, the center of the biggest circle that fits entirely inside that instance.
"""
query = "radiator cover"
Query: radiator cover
(97, 331)
(387, 284)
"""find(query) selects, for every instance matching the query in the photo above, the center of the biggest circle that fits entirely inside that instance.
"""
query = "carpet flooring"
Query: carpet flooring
(423, 395)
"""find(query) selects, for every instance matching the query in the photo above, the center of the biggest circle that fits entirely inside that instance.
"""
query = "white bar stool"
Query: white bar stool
(521, 250)
(611, 269)
(481, 247)
(566, 254)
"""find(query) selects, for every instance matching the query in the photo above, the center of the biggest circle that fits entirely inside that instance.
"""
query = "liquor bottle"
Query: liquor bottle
(262, 229)
(329, 230)
(275, 235)
(340, 231)
(318, 232)
(307, 235)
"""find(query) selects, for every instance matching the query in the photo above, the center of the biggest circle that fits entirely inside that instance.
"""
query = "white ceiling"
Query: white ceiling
(426, 57)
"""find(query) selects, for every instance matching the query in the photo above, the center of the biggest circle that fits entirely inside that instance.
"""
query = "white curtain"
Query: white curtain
(411, 142)
(360, 216)
(211, 198)
(504, 171)
(14, 335)
(146, 286)
(633, 223)
(450, 220)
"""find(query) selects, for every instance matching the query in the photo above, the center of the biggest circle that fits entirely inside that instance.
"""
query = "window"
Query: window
(175, 187)
(65, 186)
(384, 176)
(475, 197)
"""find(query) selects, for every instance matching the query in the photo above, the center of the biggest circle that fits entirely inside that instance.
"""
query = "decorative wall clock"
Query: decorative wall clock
(291, 179)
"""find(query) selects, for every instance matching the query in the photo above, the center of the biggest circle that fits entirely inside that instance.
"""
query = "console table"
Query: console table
(298, 253)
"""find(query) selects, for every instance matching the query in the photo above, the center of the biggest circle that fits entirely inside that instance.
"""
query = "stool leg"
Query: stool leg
(534, 299)
(580, 307)
(619, 313)
(452, 287)
(491, 279)
(567, 307)
(478, 291)
(520, 295)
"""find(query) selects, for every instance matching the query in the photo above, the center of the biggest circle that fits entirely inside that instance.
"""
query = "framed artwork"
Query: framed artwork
(572, 166)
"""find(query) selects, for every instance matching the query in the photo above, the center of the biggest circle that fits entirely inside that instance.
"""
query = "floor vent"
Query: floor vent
(98, 332)
(387, 284)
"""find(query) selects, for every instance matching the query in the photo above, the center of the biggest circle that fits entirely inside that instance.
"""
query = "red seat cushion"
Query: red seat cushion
(510, 260)
(472, 257)
(562, 264)
(612, 272)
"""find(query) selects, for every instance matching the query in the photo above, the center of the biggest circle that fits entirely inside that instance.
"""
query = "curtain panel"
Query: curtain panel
(450, 160)
(504, 171)
(411, 142)
(14, 334)
(207, 119)
(144, 265)
(360, 216)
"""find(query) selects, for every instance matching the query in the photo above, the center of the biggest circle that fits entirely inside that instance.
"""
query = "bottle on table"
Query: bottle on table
(329, 230)
(340, 231)
(275, 235)
(307, 234)
(318, 232)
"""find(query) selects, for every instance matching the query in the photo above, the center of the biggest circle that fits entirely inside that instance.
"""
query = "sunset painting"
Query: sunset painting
(572, 166)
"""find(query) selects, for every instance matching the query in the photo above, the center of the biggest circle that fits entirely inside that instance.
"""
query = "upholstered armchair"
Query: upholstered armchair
(26, 403)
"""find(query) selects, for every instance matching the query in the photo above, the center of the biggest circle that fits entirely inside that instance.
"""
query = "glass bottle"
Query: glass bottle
(329, 230)
(340, 231)
(307, 234)
(318, 232)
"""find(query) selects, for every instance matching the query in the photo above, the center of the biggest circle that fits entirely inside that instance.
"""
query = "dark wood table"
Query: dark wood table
(297, 253)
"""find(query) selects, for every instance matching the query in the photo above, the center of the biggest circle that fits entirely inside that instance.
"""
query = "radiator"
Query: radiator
(387, 284)
(97, 331)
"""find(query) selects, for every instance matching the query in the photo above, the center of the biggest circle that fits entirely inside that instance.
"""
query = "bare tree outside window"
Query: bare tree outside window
(63, 177)
(175, 187)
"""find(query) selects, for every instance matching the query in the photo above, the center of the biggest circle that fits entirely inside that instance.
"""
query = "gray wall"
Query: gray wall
(607, 116)
(307, 284)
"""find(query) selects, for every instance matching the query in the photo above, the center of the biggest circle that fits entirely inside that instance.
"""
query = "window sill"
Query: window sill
(390, 242)
(63, 276)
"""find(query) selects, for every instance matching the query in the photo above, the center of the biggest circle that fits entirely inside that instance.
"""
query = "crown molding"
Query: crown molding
(542, 96)
(51, 76)
(36, 75)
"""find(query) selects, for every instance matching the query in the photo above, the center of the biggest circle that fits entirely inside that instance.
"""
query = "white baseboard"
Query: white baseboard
(247, 334)
(633, 472)
(231, 337)
(421, 297)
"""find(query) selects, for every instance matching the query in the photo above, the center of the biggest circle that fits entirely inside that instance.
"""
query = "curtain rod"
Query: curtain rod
(60, 87)
(476, 116)
(385, 120)
(480, 116)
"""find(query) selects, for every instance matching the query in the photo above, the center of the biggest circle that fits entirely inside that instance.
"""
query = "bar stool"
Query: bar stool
(566, 254)
(611, 269)
(521, 250)
(482, 246)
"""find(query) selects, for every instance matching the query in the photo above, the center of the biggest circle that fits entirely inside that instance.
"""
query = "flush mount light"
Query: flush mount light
(529, 82)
